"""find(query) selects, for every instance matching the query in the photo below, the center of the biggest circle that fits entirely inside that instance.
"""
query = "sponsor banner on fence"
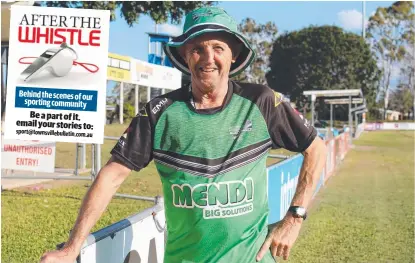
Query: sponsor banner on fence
(398, 126)
(283, 177)
(33, 156)
(56, 88)
(282, 182)
(140, 238)
(156, 76)
(119, 68)
(390, 126)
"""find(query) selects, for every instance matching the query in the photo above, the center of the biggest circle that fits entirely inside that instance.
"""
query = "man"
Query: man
(209, 141)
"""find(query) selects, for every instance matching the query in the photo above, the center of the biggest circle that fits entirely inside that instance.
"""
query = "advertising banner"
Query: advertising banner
(282, 182)
(156, 76)
(28, 155)
(390, 126)
(140, 238)
(119, 68)
(398, 126)
(56, 88)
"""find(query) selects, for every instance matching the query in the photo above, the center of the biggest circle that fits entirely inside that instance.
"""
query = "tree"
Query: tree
(390, 30)
(159, 11)
(321, 58)
(401, 99)
(261, 37)
(407, 77)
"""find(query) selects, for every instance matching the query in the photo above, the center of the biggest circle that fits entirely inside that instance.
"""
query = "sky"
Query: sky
(288, 16)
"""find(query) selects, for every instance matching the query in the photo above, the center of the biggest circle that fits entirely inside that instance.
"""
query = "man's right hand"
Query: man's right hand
(59, 256)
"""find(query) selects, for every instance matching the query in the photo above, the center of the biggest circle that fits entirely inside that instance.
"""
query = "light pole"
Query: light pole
(363, 19)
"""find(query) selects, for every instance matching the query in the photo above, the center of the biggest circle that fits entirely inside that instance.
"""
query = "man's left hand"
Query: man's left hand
(281, 237)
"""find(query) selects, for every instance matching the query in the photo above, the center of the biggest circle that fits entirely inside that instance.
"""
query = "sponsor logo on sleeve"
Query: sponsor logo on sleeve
(159, 105)
(123, 138)
(278, 98)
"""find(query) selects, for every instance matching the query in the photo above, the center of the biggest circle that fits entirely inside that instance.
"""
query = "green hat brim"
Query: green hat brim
(243, 61)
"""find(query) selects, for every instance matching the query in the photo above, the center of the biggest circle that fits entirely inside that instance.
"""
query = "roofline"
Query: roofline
(334, 93)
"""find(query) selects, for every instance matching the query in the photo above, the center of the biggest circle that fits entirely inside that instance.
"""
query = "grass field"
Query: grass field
(365, 213)
(35, 221)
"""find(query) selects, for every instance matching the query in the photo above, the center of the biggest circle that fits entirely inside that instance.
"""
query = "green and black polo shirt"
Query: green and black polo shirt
(212, 165)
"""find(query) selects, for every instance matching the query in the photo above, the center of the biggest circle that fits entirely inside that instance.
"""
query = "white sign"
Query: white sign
(140, 238)
(28, 155)
(152, 75)
(56, 88)
(390, 126)
(398, 126)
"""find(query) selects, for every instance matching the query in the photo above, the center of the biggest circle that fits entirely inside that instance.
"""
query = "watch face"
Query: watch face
(301, 211)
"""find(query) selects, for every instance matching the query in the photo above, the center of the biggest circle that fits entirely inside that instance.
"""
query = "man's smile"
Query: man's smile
(207, 70)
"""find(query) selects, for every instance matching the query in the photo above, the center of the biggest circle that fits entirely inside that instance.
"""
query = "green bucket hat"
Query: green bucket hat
(207, 20)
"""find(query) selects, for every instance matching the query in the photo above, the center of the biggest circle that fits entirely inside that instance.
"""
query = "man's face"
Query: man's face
(209, 58)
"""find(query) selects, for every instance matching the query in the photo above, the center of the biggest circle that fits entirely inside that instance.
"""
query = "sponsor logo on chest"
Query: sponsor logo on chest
(236, 131)
(218, 200)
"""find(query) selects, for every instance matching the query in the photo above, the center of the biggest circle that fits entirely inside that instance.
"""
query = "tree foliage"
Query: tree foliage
(159, 11)
(391, 31)
(321, 58)
(260, 37)
(401, 99)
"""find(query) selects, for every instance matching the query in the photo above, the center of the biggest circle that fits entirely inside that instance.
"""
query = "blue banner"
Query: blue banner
(56, 99)
(282, 183)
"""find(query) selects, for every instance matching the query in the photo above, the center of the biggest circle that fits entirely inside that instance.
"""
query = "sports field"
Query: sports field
(364, 213)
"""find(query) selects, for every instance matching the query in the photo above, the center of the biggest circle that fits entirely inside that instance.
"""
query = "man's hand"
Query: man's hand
(59, 256)
(281, 237)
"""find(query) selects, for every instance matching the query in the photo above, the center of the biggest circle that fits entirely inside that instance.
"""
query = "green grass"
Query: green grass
(365, 213)
(36, 221)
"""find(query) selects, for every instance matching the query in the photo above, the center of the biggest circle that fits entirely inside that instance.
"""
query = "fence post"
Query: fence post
(93, 162)
(83, 156)
(98, 157)
(76, 159)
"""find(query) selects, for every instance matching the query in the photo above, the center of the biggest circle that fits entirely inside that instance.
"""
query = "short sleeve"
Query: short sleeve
(287, 127)
(134, 148)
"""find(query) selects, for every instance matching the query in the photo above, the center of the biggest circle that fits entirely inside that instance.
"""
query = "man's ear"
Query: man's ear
(236, 51)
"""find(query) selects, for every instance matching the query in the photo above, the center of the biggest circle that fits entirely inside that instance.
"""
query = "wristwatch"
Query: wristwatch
(298, 212)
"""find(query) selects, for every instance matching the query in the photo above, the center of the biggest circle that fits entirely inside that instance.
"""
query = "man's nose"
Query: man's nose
(208, 55)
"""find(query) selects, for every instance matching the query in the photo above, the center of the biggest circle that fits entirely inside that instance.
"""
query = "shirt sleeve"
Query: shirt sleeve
(288, 128)
(134, 148)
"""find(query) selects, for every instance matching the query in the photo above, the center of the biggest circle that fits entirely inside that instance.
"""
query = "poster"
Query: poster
(57, 73)
(32, 156)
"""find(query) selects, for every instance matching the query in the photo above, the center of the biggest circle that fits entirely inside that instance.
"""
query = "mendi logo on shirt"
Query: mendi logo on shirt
(218, 200)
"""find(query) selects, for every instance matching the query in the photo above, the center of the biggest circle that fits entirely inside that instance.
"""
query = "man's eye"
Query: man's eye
(219, 48)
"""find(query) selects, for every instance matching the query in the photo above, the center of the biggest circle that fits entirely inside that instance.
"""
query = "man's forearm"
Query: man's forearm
(94, 204)
(313, 164)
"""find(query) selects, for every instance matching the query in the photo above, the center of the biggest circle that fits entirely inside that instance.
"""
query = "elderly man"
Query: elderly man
(210, 141)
